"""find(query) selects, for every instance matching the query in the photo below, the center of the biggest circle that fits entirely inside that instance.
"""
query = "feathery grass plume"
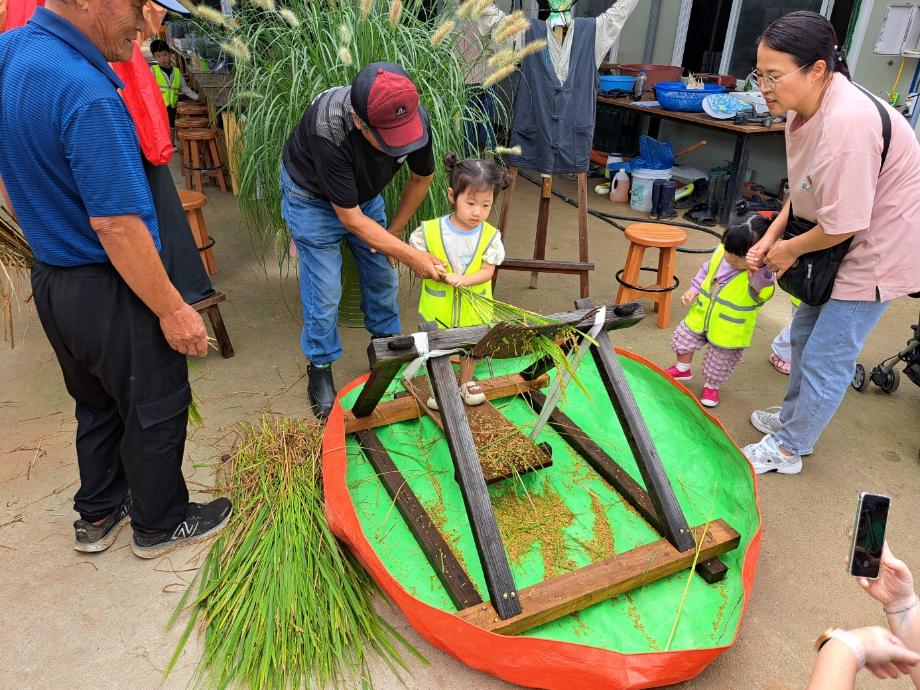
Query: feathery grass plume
(344, 33)
(209, 14)
(366, 7)
(280, 603)
(345, 56)
(505, 151)
(463, 9)
(529, 49)
(288, 72)
(396, 8)
(289, 17)
(267, 5)
(478, 8)
(443, 31)
(237, 49)
(498, 75)
(510, 26)
(503, 57)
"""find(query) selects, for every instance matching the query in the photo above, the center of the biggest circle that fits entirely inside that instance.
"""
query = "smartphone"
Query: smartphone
(869, 535)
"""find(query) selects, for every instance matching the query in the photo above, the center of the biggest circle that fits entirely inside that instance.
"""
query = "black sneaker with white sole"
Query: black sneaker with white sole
(202, 521)
(91, 538)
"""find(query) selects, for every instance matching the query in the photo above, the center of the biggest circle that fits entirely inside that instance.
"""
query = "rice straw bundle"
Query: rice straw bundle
(524, 333)
(15, 254)
(281, 605)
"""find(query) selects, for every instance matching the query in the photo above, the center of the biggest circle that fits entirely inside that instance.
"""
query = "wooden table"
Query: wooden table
(743, 135)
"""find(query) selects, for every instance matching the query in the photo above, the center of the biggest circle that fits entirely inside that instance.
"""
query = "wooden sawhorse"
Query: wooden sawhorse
(539, 264)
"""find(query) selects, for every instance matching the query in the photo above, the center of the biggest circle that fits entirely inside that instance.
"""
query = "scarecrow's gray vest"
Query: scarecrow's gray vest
(554, 123)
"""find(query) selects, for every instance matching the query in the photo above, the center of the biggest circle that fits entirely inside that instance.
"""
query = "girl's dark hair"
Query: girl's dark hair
(743, 235)
(476, 174)
(159, 46)
(807, 37)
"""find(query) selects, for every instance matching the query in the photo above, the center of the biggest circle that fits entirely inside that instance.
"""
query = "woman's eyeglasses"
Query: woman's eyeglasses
(768, 83)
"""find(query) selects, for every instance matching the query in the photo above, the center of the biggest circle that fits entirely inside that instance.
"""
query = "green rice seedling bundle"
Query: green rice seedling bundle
(279, 602)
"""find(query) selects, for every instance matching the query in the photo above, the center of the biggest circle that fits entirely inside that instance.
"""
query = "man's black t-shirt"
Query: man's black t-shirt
(328, 156)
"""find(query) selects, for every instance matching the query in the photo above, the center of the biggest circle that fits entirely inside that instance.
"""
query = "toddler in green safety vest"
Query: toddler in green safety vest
(470, 247)
(724, 298)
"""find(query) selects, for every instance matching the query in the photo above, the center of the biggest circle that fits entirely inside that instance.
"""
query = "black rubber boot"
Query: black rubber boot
(321, 388)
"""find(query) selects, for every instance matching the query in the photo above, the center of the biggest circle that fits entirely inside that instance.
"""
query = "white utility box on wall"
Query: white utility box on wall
(900, 34)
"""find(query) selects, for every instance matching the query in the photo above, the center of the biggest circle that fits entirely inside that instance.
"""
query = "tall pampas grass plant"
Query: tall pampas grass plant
(302, 48)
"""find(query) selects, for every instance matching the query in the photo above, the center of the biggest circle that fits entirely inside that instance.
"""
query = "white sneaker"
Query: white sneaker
(767, 421)
(469, 397)
(766, 456)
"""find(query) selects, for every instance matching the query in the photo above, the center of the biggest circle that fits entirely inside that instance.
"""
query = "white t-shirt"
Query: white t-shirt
(460, 245)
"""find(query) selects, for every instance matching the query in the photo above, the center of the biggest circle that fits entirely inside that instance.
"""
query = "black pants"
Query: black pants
(131, 391)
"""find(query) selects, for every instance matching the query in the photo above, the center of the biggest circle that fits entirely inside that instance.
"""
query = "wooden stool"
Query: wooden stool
(642, 236)
(209, 306)
(192, 122)
(200, 158)
(193, 108)
(192, 203)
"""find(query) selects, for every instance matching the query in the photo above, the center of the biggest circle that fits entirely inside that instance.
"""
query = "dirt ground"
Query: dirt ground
(79, 621)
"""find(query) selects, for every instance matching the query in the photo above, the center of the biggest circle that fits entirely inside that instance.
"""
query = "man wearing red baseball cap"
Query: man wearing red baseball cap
(348, 146)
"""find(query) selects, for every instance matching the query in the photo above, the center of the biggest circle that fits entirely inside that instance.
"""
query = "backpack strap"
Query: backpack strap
(886, 124)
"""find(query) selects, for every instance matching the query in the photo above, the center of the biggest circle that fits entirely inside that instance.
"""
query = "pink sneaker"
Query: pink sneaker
(710, 396)
(677, 374)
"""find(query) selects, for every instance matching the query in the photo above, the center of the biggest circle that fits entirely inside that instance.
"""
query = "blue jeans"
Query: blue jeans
(825, 343)
(318, 235)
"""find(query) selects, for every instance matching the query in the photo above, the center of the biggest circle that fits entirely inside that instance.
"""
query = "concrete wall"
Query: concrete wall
(875, 72)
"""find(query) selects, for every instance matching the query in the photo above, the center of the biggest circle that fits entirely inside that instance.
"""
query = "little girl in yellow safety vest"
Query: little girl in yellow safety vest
(470, 247)
(726, 298)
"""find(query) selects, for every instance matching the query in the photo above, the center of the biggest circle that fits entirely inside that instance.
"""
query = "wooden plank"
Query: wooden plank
(468, 336)
(504, 451)
(579, 589)
(492, 554)
(672, 523)
(583, 277)
(405, 407)
(541, 366)
(539, 243)
(698, 119)
(450, 572)
(381, 376)
(711, 571)
(546, 265)
(598, 459)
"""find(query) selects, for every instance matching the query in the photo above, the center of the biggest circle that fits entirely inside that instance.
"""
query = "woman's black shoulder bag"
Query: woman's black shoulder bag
(811, 278)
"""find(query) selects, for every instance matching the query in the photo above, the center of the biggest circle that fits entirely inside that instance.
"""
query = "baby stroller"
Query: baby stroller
(884, 375)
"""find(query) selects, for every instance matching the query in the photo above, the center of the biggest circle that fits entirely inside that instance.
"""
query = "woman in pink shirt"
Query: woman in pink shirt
(837, 180)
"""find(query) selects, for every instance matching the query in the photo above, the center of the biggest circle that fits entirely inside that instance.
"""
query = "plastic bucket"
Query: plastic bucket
(640, 198)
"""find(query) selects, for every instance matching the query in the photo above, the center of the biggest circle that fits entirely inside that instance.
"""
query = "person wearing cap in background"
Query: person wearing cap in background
(346, 149)
(74, 177)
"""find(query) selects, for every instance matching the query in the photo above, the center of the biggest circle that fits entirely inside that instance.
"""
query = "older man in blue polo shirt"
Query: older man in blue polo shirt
(71, 170)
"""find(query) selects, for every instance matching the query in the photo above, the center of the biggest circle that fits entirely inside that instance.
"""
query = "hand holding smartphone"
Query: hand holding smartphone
(869, 535)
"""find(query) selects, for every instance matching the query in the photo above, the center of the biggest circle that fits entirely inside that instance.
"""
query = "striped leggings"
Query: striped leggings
(718, 362)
